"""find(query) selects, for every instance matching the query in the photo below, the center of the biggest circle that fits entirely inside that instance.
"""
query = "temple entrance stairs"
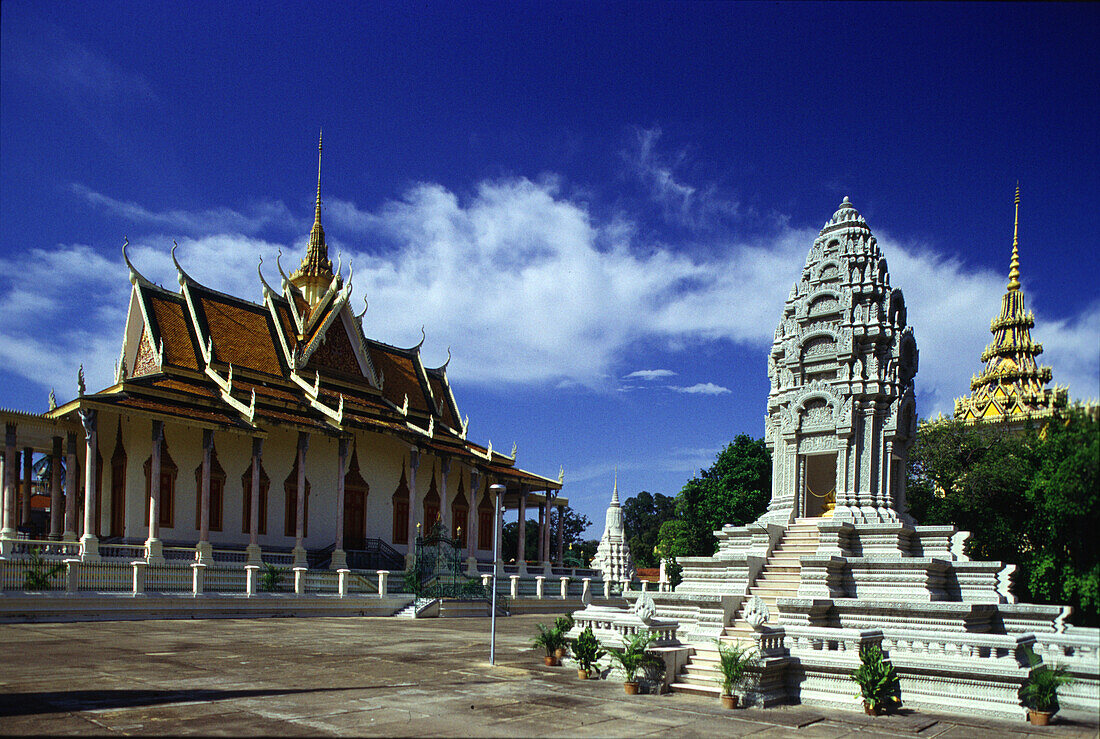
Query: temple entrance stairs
(779, 578)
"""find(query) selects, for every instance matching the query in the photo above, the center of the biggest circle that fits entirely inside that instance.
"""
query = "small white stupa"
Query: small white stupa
(613, 554)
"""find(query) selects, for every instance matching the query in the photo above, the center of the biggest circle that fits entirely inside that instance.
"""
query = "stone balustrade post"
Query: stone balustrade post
(300, 580)
(564, 588)
(586, 588)
(514, 586)
(72, 575)
(198, 577)
(486, 581)
(607, 589)
(625, 586)
(540, 582)
(645, 585)
(342, 582)
(251, 573)
(138, 581)
(383, 582)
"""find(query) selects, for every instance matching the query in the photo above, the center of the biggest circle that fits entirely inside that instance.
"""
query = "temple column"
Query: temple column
(339, 557)
(472, 525)
(300, 559)
(444, 506)
(414, 463)
(7, 533)
(203, 548)
(89, 543)
(28, 488)
(561, 535)
(253, 549)
(801, 503)
(540, 549)
(521, 540)
(70, 487)
(154, 548)
(497, 492)
(57, 503)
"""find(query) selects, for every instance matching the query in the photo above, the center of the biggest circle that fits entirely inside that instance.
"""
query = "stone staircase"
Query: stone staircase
(778, 579)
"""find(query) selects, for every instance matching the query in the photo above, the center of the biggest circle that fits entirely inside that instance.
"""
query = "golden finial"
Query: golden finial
(317, 213)
(1014, 266)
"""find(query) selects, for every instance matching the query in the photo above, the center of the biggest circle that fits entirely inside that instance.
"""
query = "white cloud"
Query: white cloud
(527, 287)
(701, 388)
(653, 374)
(218, 220)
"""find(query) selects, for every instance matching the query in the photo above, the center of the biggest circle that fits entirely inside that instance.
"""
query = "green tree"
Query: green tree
(673, 540)
(643, 515)
(1029, 498)
(573, 527)
(735, 490)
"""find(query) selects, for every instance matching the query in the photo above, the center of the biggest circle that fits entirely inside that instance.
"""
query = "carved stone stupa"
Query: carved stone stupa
(840, 411)
(613, 553)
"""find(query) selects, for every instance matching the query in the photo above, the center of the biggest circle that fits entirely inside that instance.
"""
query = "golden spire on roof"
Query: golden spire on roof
(1013, 267)
(315, 274)
(1011, 385)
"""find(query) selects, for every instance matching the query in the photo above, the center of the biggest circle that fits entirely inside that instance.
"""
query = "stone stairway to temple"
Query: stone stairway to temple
(779, 578)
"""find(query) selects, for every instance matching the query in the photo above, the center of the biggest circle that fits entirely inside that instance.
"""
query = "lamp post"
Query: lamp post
(498, 501)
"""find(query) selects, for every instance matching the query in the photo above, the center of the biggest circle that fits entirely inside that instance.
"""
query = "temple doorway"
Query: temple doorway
(820, 485)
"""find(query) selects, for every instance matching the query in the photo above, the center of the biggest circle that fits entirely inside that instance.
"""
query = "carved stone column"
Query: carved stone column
(203, 548)
(472, 525)
(154, 548)
(89, 543)
(300, 559)
(70, 487)
(253, 549)
(339, 557)
(57, 502)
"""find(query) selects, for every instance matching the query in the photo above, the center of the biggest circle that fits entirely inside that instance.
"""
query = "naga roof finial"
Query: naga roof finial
(1014, 265)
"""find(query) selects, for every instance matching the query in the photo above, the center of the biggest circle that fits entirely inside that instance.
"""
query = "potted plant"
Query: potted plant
(1040, 691)
(733, 661)
(563, 624)
(271, 577)
(878, 681)
(587, 652)
(550, 640)
(632, 657)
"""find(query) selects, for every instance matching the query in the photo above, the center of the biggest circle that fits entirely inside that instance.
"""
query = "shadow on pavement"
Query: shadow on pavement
(57, 701)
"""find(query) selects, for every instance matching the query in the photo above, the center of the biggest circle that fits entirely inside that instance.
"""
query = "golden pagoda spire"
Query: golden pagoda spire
(315, 272)
(1011, 386)
(1014, 265)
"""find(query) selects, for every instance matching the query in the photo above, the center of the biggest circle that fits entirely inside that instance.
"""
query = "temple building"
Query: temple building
(235, 429)
(1011, 388)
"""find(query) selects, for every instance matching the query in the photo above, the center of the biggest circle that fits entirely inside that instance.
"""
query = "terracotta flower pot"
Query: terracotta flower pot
(582, 674)
(1039, 718)
(551, 661)
(559, 652)
(871, 711)
(630, 688)
(729, 701)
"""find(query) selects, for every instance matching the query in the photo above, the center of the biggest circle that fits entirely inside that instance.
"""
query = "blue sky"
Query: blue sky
(600, 207)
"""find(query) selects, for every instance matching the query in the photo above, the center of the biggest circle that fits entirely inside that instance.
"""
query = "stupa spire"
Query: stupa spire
(1014, 265)
(1012, 385)
(315, 272)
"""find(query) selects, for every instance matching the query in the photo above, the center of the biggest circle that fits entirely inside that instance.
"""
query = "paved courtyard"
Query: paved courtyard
(371, 676)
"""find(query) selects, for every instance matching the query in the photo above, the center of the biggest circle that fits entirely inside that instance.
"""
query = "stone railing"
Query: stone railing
(180, 554)
(612, 625)
(127, 552)
(48, 549)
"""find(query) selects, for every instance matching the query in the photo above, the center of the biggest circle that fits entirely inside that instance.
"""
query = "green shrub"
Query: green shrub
(734, 661)
(633, 655)
(271, 577)
(877, 679)
(1040, 691)
(586, 650)
(37, 576)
